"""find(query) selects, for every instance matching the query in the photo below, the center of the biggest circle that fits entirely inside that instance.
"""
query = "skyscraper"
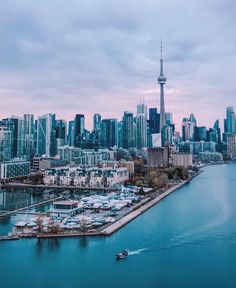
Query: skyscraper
(97, 121)
(230, 120)
(141, 131)
(5, 144)
(142, 109)
(141, 126)
(45, 135)
(29, 134)
(78, 130)
(109, 133)
(61, 128)
(71, 134)
(95, 136)
(128, 130)
(154, 121)
(162, 82)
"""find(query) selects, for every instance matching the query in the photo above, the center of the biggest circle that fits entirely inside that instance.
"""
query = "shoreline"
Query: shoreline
(107, 231)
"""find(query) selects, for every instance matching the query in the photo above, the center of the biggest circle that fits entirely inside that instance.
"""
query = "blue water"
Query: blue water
(187, 240)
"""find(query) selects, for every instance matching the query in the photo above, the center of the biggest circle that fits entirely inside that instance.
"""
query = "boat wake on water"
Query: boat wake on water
(180, 244)
(137, 252)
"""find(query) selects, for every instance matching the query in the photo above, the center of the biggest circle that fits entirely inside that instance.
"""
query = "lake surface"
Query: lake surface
(187, 240)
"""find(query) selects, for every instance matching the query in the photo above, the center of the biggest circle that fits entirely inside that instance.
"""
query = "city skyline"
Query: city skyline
(102, 58)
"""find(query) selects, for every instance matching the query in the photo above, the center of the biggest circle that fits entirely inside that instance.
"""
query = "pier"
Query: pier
(19, 210)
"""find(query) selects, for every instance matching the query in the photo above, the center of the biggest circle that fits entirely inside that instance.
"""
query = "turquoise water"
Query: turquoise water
(187, 240)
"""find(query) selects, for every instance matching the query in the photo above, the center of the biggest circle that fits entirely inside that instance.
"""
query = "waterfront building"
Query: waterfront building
(50, 177)
(81, 178)
(128, 130)
(64, 177)
(79, 123)
(115, 176)
(157, 157)
(109, 133)
(86, 177)
(14, 169)
(96, 179)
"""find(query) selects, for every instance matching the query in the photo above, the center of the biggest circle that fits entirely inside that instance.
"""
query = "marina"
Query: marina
(90, 216)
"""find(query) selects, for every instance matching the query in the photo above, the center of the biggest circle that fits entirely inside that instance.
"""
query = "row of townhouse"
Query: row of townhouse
(90, 177)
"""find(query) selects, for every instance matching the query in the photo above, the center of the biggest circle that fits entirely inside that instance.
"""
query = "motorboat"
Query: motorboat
(122, 255)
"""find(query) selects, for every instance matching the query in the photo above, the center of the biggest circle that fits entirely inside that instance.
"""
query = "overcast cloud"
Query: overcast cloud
(101, 56)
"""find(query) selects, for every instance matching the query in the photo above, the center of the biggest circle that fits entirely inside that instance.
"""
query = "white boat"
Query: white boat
(122, 255)
(21, 224)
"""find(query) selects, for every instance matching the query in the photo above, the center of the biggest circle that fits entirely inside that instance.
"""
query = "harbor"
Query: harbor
(89, 216)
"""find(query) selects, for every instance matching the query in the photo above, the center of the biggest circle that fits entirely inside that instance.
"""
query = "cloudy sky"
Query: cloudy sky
(90, 56)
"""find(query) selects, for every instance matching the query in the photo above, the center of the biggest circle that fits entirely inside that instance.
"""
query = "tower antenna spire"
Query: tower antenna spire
(161, 50)
(162, 81)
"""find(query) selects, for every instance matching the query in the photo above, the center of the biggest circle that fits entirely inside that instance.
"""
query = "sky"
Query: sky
(101, 56)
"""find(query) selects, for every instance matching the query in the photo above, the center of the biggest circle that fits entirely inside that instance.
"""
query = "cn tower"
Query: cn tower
(162, 81)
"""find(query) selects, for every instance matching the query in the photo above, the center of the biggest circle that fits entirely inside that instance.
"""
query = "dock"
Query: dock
(19, 210)
(9, 237)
